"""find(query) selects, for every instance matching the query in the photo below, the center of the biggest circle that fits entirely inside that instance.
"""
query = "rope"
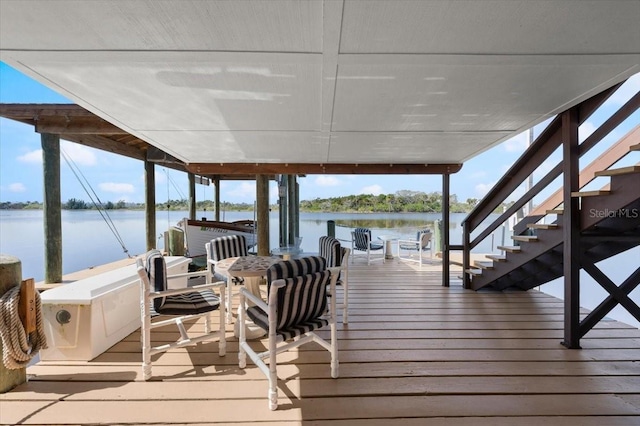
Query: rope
(18, 348)
(97, 204)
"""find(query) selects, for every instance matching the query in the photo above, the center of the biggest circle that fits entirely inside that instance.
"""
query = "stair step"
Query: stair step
(483, 265)
(473, 272)
(620, 171)
(635, 147)
(497, 257)
(510, 249)
(555, 211)
(542, 226)
(526, 238)
(589, 193)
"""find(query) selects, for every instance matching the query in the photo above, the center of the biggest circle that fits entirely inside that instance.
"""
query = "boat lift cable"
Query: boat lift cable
(173, 183)
(97, 204)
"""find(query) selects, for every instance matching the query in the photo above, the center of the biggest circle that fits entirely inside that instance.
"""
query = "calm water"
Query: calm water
(87, 241)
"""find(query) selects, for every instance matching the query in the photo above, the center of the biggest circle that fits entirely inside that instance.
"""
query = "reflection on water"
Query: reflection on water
(400, 225)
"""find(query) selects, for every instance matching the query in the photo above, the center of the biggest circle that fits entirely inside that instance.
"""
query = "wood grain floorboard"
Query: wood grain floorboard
(414, 353)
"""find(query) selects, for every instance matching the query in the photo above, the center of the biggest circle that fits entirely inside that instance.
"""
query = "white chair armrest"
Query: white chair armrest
(255, 299)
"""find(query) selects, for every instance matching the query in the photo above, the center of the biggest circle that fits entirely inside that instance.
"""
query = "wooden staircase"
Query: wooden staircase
(610, 224)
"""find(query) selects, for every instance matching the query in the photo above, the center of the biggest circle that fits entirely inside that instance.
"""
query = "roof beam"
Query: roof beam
(77, 125)
(317, 169)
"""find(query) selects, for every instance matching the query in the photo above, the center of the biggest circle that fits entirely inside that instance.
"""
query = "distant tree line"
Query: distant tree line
(403, 201)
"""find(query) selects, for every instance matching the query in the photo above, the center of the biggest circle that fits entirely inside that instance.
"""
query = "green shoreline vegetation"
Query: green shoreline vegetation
(403, 201)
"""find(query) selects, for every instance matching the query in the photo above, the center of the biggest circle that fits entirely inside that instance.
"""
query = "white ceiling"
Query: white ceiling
(316, 81)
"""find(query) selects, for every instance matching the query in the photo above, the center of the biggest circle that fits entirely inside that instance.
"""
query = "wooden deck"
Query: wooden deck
(414, 353)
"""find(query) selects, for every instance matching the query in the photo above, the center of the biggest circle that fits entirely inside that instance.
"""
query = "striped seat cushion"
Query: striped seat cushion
(197, 302)
(423, 236)
(182, 304)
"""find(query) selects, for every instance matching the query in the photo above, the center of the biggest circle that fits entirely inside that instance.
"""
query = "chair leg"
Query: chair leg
(273, 375)
(228, 302)
(334, 351)
(242, 354)
(146, 337)
(222, 344)
(345, 301)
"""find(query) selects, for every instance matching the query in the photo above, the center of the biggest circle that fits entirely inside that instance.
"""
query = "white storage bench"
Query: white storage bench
(86, 317)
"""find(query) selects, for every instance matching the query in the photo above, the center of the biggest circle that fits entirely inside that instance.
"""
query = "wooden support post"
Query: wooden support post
(571, 229)
(150, 203)
(445, 230)
(282, 211)
(52, 208)
(291, 197)
(27, 305)
(262, 207)
(10, 276)
(466, 255)
(216, 182)
(192, 196)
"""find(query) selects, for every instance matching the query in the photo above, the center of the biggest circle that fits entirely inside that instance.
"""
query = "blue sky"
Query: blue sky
(115, 177)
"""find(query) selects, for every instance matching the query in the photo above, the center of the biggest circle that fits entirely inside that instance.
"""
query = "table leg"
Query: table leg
(228, 301)
(388, 254)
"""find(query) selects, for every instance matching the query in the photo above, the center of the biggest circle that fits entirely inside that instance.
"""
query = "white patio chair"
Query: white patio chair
(361, 241)
(419, 245)
(337, 256)
(223, 248)
(289, 322)
(176, 306)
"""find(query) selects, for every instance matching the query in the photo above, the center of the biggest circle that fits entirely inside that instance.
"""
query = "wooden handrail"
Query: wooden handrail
(587, 175)
(544, 145)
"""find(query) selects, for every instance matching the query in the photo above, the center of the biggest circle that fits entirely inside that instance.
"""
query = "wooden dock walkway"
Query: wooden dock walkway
(413, 353)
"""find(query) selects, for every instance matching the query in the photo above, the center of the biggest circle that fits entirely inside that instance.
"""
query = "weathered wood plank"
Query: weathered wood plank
(413, 353)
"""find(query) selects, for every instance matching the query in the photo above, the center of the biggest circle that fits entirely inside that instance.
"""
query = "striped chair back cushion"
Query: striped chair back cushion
(330, 249)
(227, 246)
(424, 237)
(295, 267)
(157, 273)
(302, 299)
(361, 238)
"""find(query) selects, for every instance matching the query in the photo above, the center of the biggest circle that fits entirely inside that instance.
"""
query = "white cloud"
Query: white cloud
(517, 143)
(483, 188)
(117, 188)
(372, 189)
(17, 187)
(246, 189)
(79, 154)
(323, 180)
(33, 157)
(160, 178)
